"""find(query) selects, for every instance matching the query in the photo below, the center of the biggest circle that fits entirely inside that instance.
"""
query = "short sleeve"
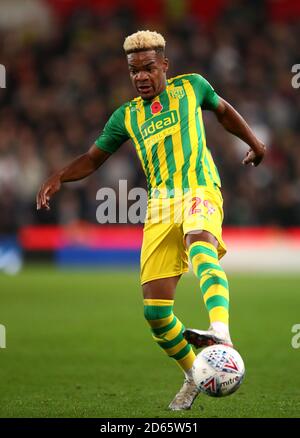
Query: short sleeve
(114, 133)
(208, 98)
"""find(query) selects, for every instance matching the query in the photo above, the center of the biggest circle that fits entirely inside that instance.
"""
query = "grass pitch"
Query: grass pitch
(78, 346)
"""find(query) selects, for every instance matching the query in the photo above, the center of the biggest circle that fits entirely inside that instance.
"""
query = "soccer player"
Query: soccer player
(166, 127)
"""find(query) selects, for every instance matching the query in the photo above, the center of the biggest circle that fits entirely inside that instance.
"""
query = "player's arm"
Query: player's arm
(234, 123)
(81, 167)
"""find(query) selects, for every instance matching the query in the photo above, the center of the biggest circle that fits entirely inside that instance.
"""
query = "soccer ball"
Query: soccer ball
(218, 370)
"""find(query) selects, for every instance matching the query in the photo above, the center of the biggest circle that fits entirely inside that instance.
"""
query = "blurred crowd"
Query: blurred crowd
(63, 83)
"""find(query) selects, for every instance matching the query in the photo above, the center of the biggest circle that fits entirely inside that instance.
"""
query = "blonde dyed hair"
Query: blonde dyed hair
(144, 40)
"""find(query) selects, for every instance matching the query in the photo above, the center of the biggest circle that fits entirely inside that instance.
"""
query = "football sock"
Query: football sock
(167, 332)
(213, 283)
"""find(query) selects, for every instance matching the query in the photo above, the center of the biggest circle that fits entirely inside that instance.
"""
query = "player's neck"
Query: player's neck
(161, 89)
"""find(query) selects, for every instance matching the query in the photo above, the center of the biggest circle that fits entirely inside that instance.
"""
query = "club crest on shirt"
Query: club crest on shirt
(177, 92)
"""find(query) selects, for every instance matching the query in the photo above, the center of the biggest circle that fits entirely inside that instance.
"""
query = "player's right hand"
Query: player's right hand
(47, 190)
(255, 157)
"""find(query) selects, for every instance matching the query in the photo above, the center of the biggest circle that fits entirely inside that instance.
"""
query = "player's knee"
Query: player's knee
(148, 313)
(152, 313)
(157, 310)
(201, 237)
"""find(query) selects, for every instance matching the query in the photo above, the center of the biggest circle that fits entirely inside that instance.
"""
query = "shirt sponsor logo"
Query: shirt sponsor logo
(158, 127)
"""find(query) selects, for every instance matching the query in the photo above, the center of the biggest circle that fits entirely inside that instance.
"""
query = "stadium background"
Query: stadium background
(65, 74)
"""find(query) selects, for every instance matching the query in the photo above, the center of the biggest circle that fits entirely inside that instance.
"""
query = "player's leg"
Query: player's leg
(202, 228)
(163, 260)
(167, 331)
(203, 253)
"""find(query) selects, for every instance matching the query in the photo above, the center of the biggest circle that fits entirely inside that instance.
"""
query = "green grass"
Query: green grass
(78, 346)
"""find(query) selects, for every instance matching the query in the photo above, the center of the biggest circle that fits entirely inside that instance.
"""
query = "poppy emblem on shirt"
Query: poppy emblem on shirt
(156, 107)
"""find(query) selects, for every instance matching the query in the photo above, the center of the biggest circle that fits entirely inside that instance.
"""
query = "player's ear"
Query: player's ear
(165, 65)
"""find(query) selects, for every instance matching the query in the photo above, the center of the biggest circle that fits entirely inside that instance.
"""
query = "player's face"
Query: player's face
(148, 72)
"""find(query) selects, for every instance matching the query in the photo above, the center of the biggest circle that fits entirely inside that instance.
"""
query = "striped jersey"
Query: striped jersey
(168, 135)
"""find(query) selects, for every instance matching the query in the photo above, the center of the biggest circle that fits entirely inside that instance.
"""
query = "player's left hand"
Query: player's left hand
(255, 157)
